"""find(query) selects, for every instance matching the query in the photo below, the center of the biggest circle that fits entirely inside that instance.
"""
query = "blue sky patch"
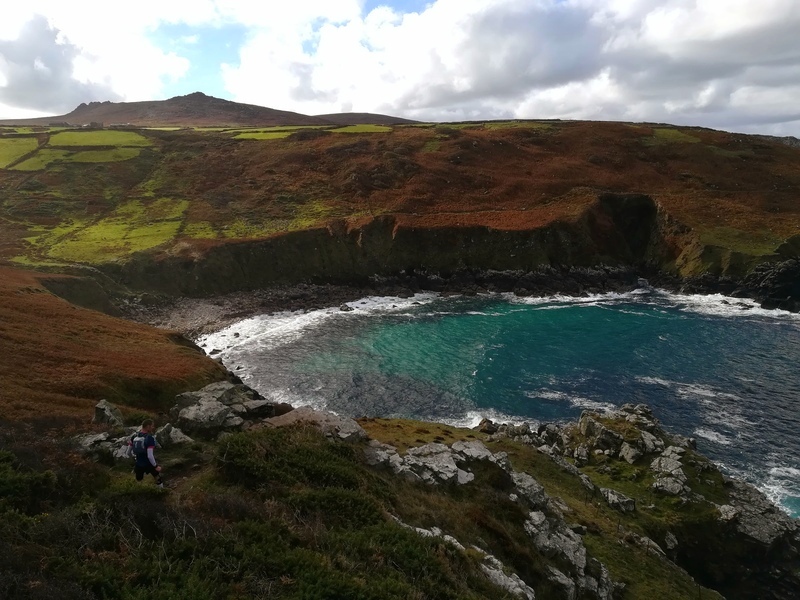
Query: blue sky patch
(206, 48)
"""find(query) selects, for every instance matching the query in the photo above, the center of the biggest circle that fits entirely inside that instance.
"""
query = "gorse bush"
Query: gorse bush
(20, 490)
(287, 457)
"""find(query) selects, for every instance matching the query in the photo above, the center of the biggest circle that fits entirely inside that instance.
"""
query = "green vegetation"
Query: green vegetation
(200, 230)
(12, 149)
(742, 153)
(431, 146)
(363, 129)
(6, 129)
(242, 228)
(517, 124)
(263, 135)
(42, 159)
(47, 156)
(132, 227)
(276, 128)
(102, 156)
(753, 243)
(99, 137)
(668, 135)
(283, 513)
(610, 540)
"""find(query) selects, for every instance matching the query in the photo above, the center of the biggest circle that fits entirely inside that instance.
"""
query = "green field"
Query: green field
(101, 156)
(275, 128)
(132, 227)
(46, 156)
(12, 149)
(42, 159)
(263, 135)
(362, 129)
(667, 135)
(517, 124)
(202, 230)
(99, 137)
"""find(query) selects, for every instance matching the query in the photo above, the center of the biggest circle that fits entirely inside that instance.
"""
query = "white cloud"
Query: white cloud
(732, 64)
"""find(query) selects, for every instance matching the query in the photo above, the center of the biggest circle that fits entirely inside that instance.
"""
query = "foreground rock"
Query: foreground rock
(222, 406)
(329, 423)
(744, 548)
(438, 464)
(105, 412)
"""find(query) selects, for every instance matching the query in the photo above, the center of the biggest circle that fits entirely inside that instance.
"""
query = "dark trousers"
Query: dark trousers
(140, 472)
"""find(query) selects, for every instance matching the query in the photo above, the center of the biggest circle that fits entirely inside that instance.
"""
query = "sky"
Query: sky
(726, 64)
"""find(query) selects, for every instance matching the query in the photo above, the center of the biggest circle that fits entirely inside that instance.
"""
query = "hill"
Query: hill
(192, 110)
(364, 118)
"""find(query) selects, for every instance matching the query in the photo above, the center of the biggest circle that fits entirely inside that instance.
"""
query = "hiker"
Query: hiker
(142, 445)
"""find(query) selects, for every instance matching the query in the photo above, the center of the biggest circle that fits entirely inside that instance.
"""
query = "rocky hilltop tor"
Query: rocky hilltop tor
(106, 231)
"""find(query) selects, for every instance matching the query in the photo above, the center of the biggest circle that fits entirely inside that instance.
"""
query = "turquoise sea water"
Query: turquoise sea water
(720, 370)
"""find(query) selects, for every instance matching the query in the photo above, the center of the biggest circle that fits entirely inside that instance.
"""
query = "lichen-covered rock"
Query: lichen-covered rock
(618, 501)
(628, 453)
(433, 463)
(581, 456)
(168, 436)
(105, 412)
(206, 417)
(650, 444)
(327, 422)
(487, 426)
(530, 489)
(512, 583)
(377, 453)
(666, 465)
(669, 486)
(473, 450)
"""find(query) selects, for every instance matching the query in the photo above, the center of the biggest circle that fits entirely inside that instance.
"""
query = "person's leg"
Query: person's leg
(156, 475)
(139, 472)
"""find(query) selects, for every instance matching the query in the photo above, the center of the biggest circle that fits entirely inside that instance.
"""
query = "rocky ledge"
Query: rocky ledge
(672, 502)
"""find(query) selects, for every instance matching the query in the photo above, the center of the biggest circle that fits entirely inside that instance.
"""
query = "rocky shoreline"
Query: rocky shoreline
(774, 285)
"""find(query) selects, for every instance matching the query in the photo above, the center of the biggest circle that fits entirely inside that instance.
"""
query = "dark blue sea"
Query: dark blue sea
(718, 369)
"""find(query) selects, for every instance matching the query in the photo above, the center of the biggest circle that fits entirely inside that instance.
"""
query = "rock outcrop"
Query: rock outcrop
(329, 423)
(437, 463)
(107, 413)
(222, 406)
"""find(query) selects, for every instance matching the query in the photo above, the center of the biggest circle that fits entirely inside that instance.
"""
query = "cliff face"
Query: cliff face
(218, 210)
(616, 230)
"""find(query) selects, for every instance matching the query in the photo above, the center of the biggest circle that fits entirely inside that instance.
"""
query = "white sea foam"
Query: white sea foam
(278, 329)
(657, 381)
(716, 305)
(781, 484)
(712, 436)
(576, 401)
(472, 418)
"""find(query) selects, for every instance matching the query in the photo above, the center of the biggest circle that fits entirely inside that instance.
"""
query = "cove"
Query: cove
(718, 369)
